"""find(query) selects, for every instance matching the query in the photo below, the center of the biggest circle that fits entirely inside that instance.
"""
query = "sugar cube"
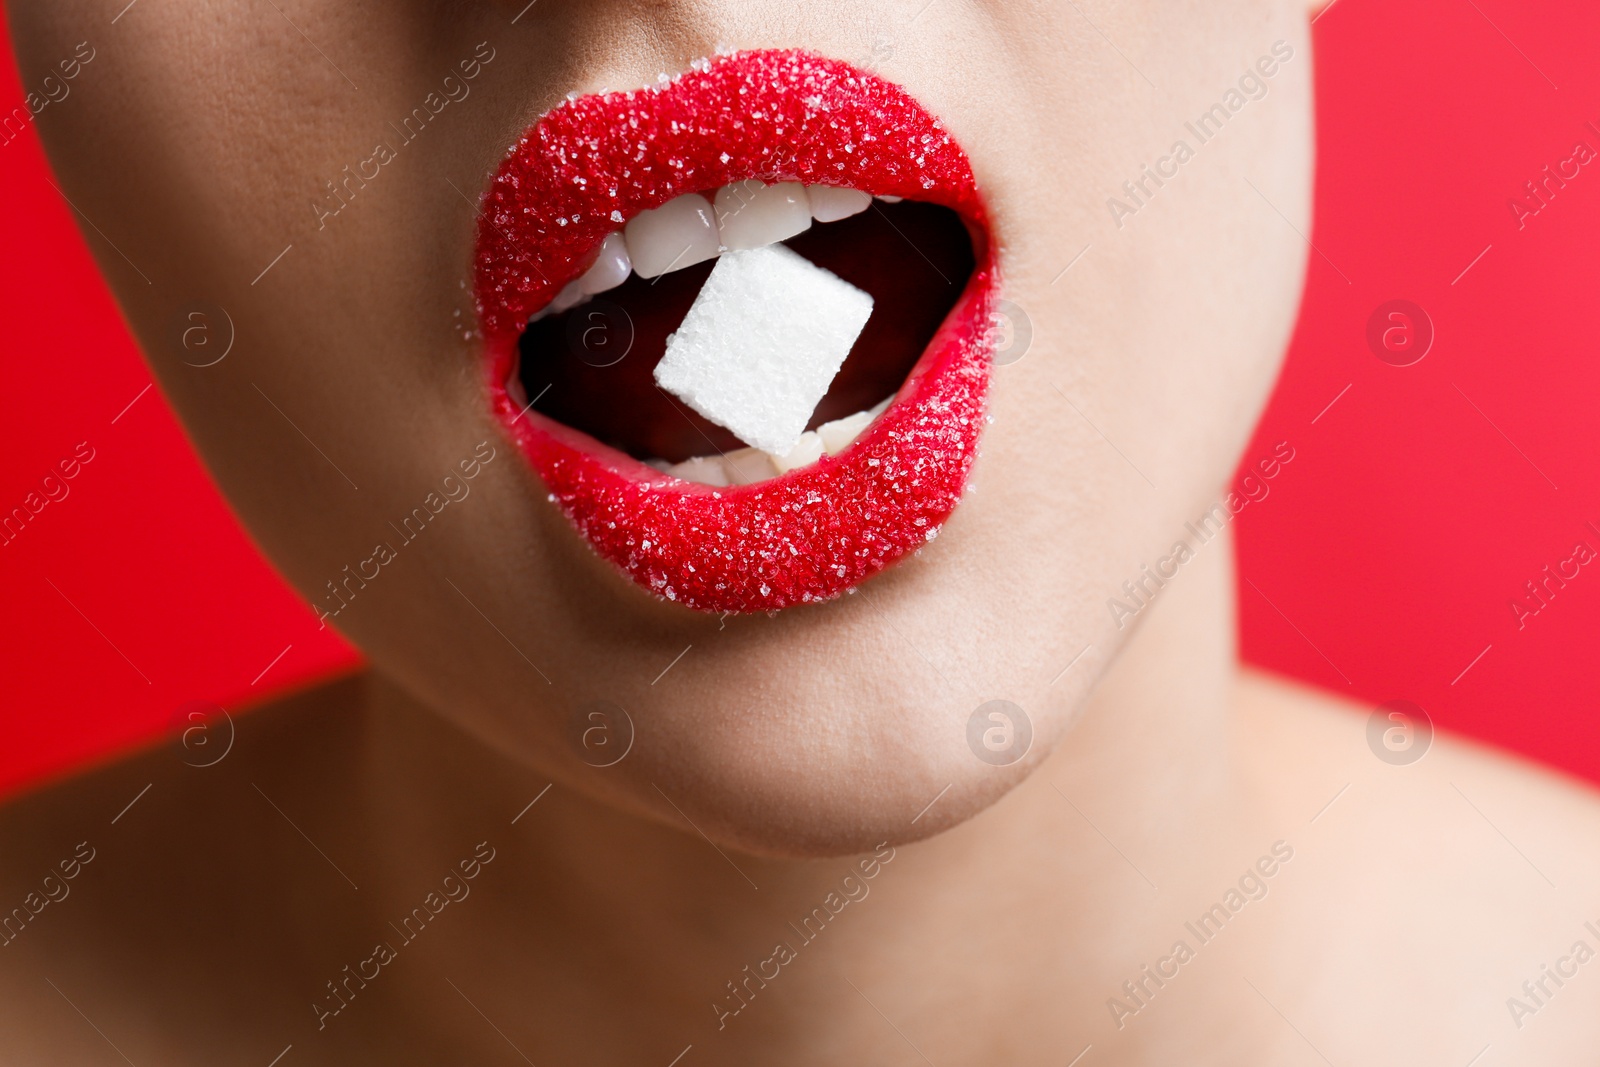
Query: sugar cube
(761, 344)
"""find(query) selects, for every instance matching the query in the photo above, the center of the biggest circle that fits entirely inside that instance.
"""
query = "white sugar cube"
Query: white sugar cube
(762, 343)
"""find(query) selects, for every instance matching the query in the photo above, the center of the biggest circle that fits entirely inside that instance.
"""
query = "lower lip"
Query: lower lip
(814, 533)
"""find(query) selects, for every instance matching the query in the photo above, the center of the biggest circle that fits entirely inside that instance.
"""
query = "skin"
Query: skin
(779, 750)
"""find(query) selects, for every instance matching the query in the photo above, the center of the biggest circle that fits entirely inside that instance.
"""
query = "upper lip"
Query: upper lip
(596, 161)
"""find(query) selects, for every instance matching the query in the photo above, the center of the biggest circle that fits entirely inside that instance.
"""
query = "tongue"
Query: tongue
(591, 367)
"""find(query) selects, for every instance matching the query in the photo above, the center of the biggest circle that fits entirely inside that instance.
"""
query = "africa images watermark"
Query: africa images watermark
(1252, 85)
(54, 488)
(1538, 193)
(852, 889)
(52, 90)
(453, 888)
(342, 591)
(1536, 992)
(354, 177)
(1140, 593)
(1542, 588)
(53, 889)
(1138, 992)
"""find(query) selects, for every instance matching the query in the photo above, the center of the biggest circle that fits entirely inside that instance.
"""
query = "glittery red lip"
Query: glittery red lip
(595, 161)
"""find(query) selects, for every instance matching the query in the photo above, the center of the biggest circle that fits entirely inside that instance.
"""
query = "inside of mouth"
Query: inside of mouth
(589, 366)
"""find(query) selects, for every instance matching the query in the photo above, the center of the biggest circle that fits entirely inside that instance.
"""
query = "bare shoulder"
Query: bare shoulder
(128, 888)
(1449, 890)
(1400, 754)
(172, 772)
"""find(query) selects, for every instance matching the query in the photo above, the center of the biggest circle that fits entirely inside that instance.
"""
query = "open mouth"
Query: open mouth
(738, 324)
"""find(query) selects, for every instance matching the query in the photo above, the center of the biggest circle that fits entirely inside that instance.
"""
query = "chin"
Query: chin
(809, 732)
(797, 781)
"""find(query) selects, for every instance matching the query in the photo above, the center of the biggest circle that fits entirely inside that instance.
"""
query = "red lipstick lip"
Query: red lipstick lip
(595, 161)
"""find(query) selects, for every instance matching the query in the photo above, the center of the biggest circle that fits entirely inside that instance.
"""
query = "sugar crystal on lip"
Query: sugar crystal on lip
(761, 344)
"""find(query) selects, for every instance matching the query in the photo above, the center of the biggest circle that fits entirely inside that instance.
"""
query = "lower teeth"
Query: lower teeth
(748, 465)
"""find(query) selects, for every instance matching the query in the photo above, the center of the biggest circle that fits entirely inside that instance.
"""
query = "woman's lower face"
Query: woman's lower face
(564, 404)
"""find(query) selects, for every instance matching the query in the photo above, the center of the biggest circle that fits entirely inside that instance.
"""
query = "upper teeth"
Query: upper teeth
(750, 214)
(612, 267)
(831, 203)
(691, 229)
(679, 233)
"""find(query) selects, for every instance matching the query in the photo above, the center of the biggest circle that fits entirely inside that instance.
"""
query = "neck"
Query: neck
(1050, 899)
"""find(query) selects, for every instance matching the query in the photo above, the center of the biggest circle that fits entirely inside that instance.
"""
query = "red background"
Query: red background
(1381, 565)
